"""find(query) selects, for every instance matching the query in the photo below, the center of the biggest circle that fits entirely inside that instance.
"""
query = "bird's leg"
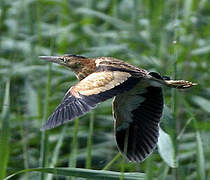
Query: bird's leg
(180, 84)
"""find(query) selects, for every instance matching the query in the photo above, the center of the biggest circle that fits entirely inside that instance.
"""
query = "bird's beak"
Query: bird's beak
(54, 59)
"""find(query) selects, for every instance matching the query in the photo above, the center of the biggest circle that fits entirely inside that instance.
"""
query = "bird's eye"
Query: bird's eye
(64, 59)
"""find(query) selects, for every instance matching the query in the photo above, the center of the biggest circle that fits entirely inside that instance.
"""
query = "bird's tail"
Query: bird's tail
(180, 84)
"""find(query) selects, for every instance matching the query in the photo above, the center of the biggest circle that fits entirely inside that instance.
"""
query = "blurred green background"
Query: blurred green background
(171, 37)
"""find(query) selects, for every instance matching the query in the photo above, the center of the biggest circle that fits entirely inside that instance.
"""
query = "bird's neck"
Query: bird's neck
(88, 68)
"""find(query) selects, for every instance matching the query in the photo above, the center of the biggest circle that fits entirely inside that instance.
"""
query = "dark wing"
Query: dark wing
(84, 96)
(137, 116)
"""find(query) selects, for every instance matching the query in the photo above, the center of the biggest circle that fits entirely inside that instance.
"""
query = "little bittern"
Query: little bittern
(137, 104)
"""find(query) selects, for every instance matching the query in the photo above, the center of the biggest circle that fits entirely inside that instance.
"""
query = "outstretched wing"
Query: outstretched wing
(137, 116)
(84, 96)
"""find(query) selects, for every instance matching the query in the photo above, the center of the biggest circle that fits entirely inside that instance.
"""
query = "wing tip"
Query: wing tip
(52, 122)
(43, 128)
(68, 110)
(48, 126)
(137, 156)
(141, 148)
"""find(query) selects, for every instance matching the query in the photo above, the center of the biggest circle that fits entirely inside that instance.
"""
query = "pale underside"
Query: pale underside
(125, 103)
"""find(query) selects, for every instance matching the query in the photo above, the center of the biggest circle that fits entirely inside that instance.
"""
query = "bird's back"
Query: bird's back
(113, 64)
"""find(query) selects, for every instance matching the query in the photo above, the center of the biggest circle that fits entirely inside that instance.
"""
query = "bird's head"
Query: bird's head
(76, 63)
(71, 61)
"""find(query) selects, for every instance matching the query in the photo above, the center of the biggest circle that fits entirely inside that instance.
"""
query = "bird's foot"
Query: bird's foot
(180, 84)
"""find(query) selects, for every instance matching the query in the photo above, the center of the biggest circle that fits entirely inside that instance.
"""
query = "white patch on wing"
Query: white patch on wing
(125, 103)
(125, 111)
(99, 82)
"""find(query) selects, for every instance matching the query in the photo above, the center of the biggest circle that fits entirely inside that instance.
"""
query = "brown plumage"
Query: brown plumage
(137, 105)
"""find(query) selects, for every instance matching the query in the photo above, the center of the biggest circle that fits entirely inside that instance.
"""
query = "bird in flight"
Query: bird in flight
(137, 105)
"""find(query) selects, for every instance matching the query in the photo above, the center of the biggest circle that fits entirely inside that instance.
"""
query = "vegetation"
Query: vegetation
(171, 37)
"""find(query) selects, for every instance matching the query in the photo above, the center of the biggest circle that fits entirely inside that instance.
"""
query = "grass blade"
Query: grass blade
(56, 151)
(4, 134)
(199, 148)
(44, 139)
(163, 171)
(202, 102)
(114, 21)
(149, 168)
(200, 158)
(166, 149)
(112, 161)
(73, 155)
(89, 143)
(84, 173)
